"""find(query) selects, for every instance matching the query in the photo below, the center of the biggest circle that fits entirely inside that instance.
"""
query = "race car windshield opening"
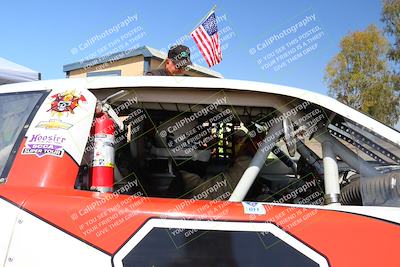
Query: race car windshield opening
(15, 109)
(200, 151)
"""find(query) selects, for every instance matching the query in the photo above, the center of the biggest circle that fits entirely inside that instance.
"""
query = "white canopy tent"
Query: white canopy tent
(11, 72)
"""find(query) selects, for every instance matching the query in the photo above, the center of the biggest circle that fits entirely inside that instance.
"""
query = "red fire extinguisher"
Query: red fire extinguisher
(102, 169)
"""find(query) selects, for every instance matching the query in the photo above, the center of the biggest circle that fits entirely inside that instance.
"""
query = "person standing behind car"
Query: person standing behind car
(178, 59)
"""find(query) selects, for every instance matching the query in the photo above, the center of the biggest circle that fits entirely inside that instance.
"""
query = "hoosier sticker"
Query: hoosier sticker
(42, 145)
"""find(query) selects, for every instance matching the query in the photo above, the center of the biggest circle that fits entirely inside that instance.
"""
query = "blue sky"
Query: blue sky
(40, 34)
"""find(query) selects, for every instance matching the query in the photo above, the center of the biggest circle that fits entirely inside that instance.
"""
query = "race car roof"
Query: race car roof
(173, 83)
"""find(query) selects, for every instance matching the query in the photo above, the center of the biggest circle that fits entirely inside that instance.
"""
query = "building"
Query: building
(133, 62)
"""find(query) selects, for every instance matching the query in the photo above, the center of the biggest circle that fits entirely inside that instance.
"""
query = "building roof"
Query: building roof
(146, 51)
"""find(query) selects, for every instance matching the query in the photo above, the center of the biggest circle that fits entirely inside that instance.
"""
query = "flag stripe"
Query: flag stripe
(203, 48)
(207, 40)
(219, 52)
(208, 43)
(216, 49)
(217, 59)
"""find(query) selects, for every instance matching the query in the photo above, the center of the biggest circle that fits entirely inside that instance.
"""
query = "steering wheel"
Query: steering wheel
(289, 138)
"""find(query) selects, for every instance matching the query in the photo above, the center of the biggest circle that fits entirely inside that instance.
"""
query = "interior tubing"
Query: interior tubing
(257, 163)
(348, 156)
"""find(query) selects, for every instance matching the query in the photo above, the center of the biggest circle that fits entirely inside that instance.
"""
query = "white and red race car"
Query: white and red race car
(94, 172)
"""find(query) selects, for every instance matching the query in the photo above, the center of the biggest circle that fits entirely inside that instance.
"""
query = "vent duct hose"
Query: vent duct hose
(376, 190)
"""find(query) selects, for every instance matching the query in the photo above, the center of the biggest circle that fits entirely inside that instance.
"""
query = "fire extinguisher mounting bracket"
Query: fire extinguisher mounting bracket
(113, 115)
(107, 108)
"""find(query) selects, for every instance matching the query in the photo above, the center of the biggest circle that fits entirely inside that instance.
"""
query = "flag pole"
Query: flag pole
(206, 16)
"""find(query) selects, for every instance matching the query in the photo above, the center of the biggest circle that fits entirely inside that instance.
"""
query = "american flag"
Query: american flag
(207, 40)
